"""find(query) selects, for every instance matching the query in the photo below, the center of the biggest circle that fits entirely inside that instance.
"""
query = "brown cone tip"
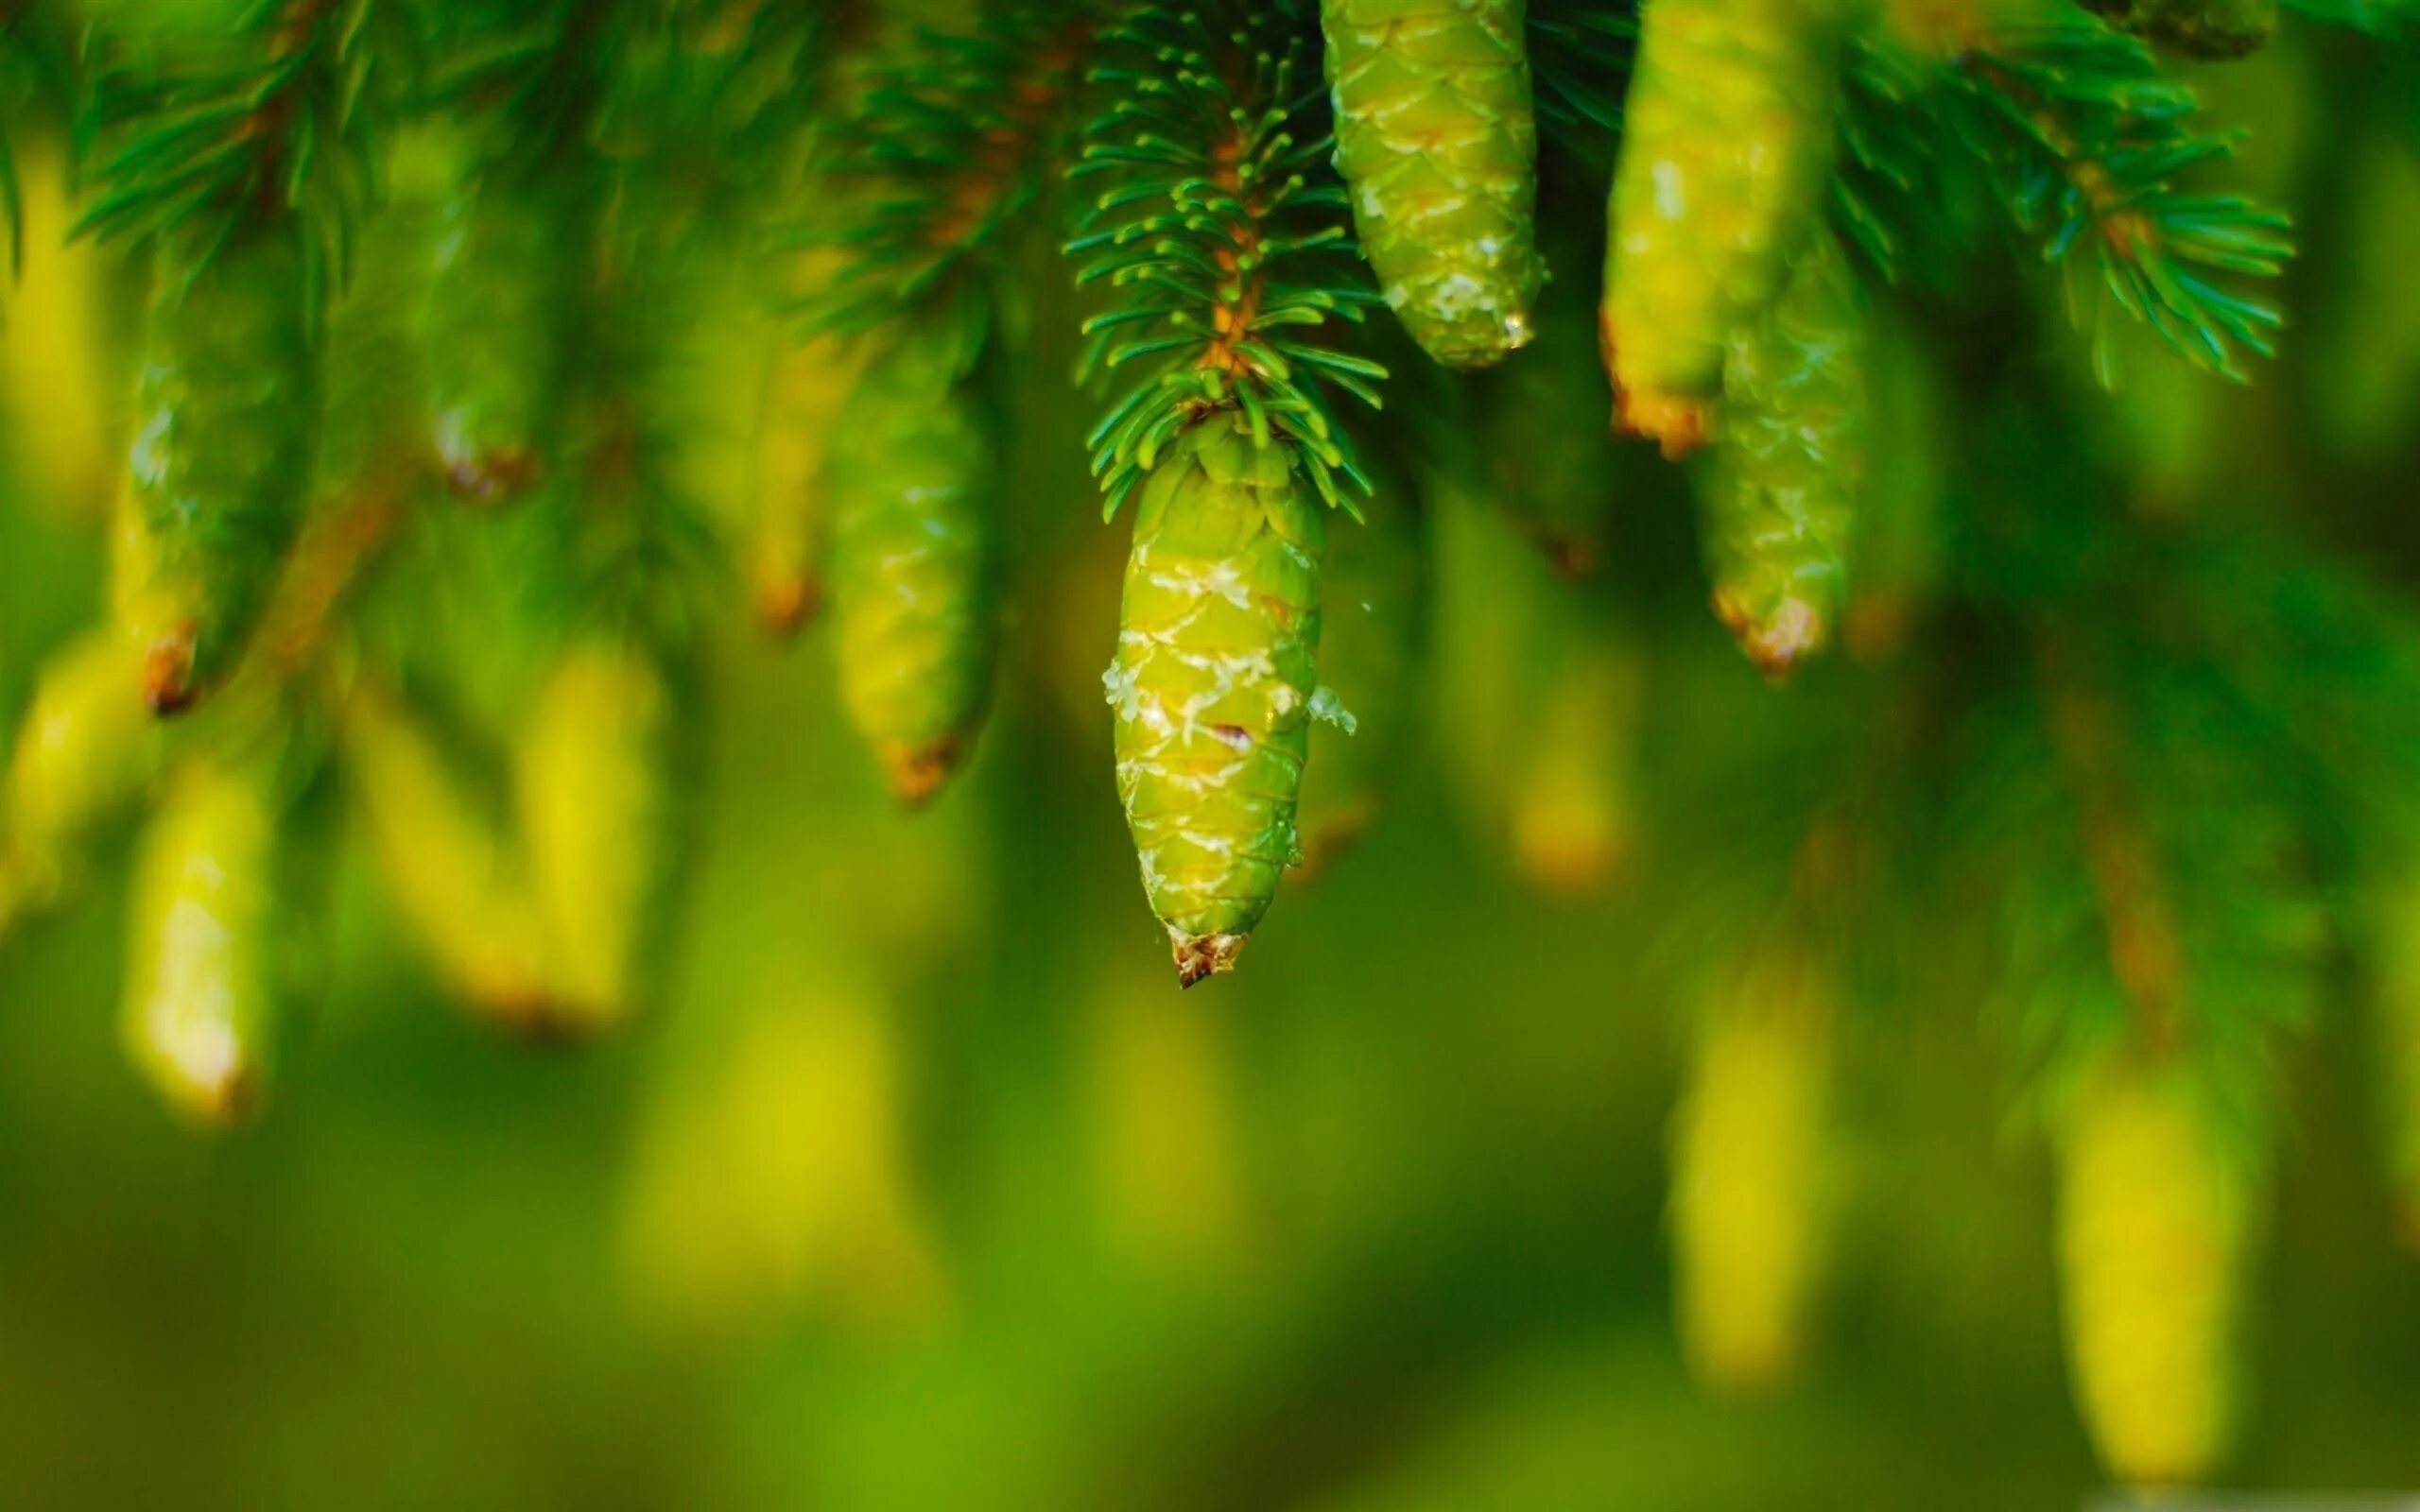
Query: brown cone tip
(224, 1101)
(917, 772)
(1568, 863)
(1202, 956)
(492, 476)
(1677, 424)
(1572, 558)
(539, 1020)
(1790, 633)
(168, 684)
(785, 606)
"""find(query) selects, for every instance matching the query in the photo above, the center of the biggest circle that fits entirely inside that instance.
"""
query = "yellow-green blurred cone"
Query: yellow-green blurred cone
(1752, 1171)
(2155, 1225)
(594, 800)
(448, 870)
(771, 1176)
(58, 364)
(200, 983)
(87, 751)
(1573, 819)
(809, 383)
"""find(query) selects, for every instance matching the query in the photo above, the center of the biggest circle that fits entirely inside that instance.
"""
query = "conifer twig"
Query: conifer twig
(1225, 230)
(278, 118)
(955, 138)
(2122, 862)
(2084, 138)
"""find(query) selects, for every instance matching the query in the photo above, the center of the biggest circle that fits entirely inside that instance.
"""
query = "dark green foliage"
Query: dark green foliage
(2194, 29)
(1580, 59)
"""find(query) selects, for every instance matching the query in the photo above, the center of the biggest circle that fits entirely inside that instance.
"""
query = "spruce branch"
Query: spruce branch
(199, 125)
(953, 142)
(528, 68)
(1882, 167)
(2373, 18)
(727, 85)
(2085, 141)
(2120, 859)
(1223, 231)
(2166, 856)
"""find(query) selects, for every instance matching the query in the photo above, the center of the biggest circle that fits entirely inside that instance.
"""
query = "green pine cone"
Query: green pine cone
(1435, 139)
(1212, 685)
(1727, 138)
(220, 467)
(2209, 30)
(1371, 648)
(915, 479)
(1777, 500)
(202, 988)
(498, 312)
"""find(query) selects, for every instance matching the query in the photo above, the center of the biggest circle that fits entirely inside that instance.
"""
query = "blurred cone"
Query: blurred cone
(2155, 1222)
(771, 1175)
(1572, 817)
(87, 751)
(595, 795)
(61, 364)
(201, 989)
(1751, 1152)
(447, 869)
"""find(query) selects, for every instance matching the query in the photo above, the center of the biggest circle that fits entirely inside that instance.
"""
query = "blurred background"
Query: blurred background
(923, 1186)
